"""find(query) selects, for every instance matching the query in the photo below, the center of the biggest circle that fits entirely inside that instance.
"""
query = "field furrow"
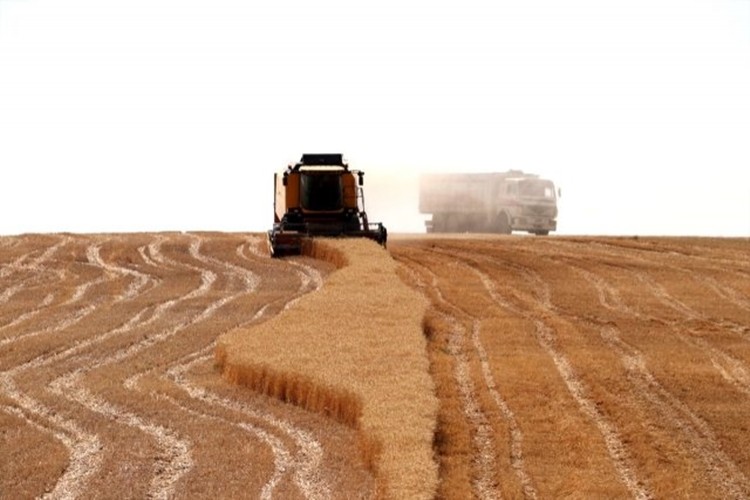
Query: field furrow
(648, 338)
(583, 367)
(107, 367)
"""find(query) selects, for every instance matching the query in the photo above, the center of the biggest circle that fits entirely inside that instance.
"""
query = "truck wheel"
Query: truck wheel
(502, 224)
(541, 232)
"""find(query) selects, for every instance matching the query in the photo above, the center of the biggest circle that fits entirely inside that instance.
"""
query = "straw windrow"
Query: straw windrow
(353, 350)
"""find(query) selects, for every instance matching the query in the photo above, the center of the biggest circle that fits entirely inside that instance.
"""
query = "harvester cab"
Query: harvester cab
(319, 196)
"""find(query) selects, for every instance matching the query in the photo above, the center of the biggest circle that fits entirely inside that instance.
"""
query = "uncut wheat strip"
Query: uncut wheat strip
(322, 383)
(723, 472)
(547, 339)
(484, 483)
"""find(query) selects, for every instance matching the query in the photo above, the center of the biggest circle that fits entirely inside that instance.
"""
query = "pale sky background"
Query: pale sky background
(147, 115)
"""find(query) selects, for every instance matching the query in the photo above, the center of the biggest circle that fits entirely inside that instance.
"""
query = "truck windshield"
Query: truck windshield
(537, 188)
(321, 192)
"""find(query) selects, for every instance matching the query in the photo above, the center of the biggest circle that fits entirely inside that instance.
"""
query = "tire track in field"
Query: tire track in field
(484, 462)
(702, 442)
(547, 339)
(310, 278)
(83, 447)
(735, 371)
(296, 449)
(175, 459)
(46, 301)
(82, 345)
(92, 254)
(516, 436)
(739, 267)
(34, 266)
(731, 369)
(517, 460)
(307, 462)
(140, 280)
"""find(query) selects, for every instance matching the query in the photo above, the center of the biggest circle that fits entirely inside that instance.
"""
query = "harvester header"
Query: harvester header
(319, 196)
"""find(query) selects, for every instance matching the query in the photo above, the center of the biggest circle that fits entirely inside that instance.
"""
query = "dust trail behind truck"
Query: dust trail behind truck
(500, 202)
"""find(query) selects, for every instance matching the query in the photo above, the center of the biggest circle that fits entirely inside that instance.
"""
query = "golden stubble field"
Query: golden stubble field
(562, 367)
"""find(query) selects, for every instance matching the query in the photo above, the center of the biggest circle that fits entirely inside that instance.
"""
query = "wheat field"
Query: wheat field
(588, 367)
(576, 367)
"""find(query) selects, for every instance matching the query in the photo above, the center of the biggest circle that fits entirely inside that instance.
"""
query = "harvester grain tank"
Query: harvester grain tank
(500, 202)
(319, 196)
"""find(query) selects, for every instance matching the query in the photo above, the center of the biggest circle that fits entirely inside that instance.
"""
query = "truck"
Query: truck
(319, 196)
(498, 202)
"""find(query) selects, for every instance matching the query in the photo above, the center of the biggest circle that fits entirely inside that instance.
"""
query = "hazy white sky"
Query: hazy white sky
(173, 115)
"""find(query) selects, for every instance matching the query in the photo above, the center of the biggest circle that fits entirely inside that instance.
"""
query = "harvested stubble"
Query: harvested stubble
(353, 350)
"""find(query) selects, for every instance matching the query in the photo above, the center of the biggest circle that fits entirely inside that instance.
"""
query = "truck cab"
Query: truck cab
(530, 204)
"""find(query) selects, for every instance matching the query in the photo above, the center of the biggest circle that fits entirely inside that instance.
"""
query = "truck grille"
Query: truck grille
(540, 210)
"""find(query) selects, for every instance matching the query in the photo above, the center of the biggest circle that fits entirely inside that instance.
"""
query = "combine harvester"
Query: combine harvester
(319, 196)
